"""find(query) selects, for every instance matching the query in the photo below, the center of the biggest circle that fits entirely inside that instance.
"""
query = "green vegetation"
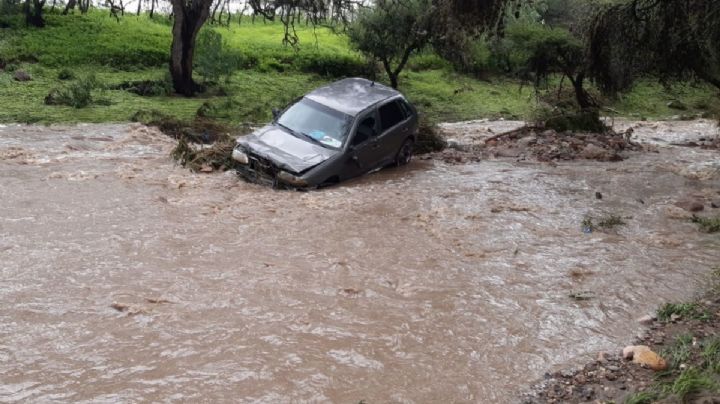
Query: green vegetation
(603, 223)
(666, 312)
(642, 397)
(711, 355)
(128, 60)
(689, 382)
(707, 224)
(679, 351)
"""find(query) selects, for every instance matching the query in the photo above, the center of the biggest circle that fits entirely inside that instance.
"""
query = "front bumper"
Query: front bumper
(259, 170)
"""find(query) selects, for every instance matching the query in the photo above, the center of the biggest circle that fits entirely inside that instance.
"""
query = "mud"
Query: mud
(431, 283)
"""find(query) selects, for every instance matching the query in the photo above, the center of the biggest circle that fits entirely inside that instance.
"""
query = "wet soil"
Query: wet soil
(478, 140)
(127, 278)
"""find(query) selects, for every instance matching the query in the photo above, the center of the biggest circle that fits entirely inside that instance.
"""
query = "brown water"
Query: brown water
(431, 283)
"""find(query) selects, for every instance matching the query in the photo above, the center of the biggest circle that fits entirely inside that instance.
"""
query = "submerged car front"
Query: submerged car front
(294, 148)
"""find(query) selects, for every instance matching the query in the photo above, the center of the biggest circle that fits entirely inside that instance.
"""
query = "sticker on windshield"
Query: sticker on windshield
(331, 141)
(317, 134)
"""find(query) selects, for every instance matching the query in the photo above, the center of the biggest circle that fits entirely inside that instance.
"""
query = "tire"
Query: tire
(404, 155)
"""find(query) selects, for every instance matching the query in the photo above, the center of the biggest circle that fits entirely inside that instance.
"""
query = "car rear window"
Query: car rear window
(390, 115)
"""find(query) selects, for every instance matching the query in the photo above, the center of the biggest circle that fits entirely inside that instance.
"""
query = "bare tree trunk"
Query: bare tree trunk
(152, 8)
(33, 13)
(139, 10)
(212, 17)
(190, 15)
(69, 6)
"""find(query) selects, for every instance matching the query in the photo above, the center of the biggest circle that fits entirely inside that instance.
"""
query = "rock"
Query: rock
(676, 104)
(715, 204)
(645, 357)
(598, 195)
(525, 141)
(691, 205)
(675, 317)
(206, 169)
(628, 352)
(21, 75)
(646, 319)
(593, 152)
(674, 212)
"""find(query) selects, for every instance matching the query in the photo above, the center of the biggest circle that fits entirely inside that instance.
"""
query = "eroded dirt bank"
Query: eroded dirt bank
(126, 278)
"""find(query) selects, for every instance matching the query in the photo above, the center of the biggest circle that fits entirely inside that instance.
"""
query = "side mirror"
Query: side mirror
(275, 113)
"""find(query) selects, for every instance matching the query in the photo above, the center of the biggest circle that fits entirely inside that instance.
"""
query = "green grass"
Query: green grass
(679, 351)
(711, 355)
(269, 74)
(648, 99)
(691, 310)
(689, 382)
(642, 397)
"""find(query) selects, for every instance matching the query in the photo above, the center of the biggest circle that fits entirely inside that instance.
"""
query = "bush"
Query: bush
(429, 138)
(77, 94)
(146, 88)
(66, 74)
(212, 58)
(427, 61)
(569, 119)
(331, 65)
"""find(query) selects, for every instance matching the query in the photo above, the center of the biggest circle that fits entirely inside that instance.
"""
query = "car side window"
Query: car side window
(406, 108)
(365, 130)
(390, 115)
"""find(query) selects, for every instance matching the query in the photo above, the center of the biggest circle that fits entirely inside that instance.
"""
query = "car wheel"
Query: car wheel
(404, 155)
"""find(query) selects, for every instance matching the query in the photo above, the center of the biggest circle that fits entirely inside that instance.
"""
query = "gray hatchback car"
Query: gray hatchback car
(333, 133)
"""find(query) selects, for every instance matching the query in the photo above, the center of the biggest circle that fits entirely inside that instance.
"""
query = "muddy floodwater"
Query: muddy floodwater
(125, 278)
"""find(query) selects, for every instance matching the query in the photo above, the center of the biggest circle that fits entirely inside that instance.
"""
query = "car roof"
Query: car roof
(352, 96)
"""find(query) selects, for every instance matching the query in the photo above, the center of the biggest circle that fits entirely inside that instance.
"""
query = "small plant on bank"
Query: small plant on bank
(66, 74)
(679, 351)
(642, 397)
(605, 223)
(691, 381)
(711, 355)
(77, 94)
(666, 312)
(707, 224)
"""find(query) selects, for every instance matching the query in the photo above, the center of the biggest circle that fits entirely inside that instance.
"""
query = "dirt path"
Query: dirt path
(127, 278)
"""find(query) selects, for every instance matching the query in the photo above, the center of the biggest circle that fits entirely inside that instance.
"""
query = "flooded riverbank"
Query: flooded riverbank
(429, 283)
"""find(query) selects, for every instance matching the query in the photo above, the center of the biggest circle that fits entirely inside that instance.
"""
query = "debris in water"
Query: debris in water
(582, 295)
(157, 301)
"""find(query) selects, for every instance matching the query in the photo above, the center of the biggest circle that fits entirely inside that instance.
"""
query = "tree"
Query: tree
(391, 31)
(667, 38)
(33, 13)
(541, 51)
(189, 16)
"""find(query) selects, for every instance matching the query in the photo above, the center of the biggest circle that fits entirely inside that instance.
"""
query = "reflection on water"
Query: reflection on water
(433, 283)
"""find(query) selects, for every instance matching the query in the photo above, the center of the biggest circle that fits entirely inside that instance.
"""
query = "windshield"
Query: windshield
(326, 125)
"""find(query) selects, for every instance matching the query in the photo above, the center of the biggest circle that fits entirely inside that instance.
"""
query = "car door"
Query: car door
(364, 147)
(394, 129)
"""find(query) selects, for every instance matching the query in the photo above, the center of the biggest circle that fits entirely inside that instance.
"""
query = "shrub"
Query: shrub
(78, 94)
(66, 74)
(707, 224)
(146, 88)
(429, 138)
(332, 65)
(212, 59)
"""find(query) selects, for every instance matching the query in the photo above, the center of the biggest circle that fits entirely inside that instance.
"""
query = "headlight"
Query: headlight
(240, 157)
(288, 178)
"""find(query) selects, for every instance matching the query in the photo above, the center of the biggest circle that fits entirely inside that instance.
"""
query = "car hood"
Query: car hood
(285, 150)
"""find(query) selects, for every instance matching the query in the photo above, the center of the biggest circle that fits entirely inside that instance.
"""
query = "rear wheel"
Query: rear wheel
(404, 155)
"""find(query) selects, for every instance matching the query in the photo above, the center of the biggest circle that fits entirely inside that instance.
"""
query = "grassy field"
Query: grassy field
(269, 75)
